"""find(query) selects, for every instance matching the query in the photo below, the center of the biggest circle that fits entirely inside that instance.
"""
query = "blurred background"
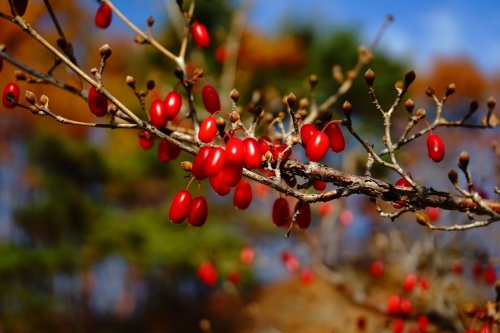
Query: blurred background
(85, 241)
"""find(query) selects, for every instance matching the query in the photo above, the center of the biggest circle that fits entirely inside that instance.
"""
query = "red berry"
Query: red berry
(253, 156)
(398, 325)
(98, 102)
(200, 35)
(167, 151)
(401, 183)
(220, 54)
(243, 195)
(247, 255)
(307, 276)
(11, 92)
(304, 218)
(325, 208)
(218, 184)
(433, 213)
(410, 282)
(198, 212)
(198, 168)
(405, 306)
(281, 212)
(335, 137)
(435, 148)
(215, 161)
(290, 261)
(173, 103)
(210, 98)
(146, 140)
(423, 323)
(235, 150)
(231, 173)
(264, 144)
(208, 130)
(317, 146)
(20, 6)
(207, 273)
(490, 275)
(376, 268)
(103, 16)
(393, 303)
(306, 132)
(319, 185)
(180, 206)
(158, 114)
(277, 149)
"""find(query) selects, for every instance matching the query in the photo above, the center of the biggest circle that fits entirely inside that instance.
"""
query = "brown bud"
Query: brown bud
(235, 95)
(463, 161)
(295, 140)
(268, 155)
(369, 77)
(399, 85)
(430, 92)
(105, 51)
(44, 100)
(220, 123)
(302, 113)
(30, 97)
(421, 113)
(409, 78)
(281, 115)
(453, 176)
(347, 109)
(234, 117)
(450, 89)
(351, 75)
(20, 76)
(390, 18)
(112, 108)
(422, 219)
(268, 117)
(409, 105)
(130, 80)
(337, 74)
(470, 309)
(138, 39)
(313, 80)
(151, 21)
(186, 165)
(491, 102)
(303, 103)
(291, 100)
(150, 85)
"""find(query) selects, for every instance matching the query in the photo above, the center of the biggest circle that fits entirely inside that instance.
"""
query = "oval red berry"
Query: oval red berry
(253, 155)
(210, 98)
(200, 35)
(180, 206)
(167, 151)
(98, 102)
(208, 130)
(103, 16)
(146, 140)
(158, 114)
(317, 146)
(10, 95)
(198, 212)
(435, 148)
(173, 104)
(243, 195)
(337, 141)
(281, 212)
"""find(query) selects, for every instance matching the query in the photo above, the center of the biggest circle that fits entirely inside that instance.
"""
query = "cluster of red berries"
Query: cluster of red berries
(316, 142)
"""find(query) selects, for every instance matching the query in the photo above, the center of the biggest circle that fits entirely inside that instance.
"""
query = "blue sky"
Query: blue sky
(422, 29)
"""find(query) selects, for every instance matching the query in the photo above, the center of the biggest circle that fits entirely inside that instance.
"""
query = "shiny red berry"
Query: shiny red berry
(242, 195)
(281, 212)
(319, 185)
(335, 137)
(208, 130)
(103, 16)
(210, 98)
(235, 150)
(253, 156)
(306, 132)
(264, 144)
(11, 95)
(200, 35)
(20, 6)
(317, 146)
(218, 184)
(405, 307)
(304, 218)
(98, 102)
(180, 207)
(231, 173)
(146, 140)
(167, 151)
(435, 148)
(410, 282)
(158, 114)
(398, 325)
(215, 161)
(393, 303)
(198, 168)
(401, 183)
(173, 104)
(276, 149)
(198, 212)
(376, 268)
